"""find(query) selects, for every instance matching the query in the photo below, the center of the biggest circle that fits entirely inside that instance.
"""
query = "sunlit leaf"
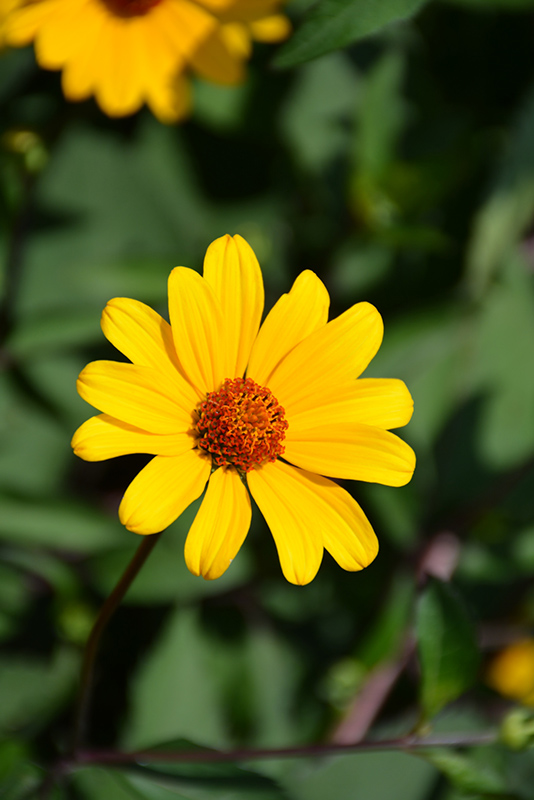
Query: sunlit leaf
(332, 24)
(467, 773)
(173, 691)
(447, 647)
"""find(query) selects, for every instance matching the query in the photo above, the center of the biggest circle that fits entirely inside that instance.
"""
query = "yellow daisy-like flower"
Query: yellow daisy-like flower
(130, 52)
(270, 411)
(512, 672)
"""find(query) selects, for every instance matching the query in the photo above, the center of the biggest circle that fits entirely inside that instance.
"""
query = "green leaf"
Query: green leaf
(314, 118)
(203, 779)
(382, 116)
(494, 5)
(95, 783)
(381, 119)
(465, 772)
(508, 211)
(389, 630)
(58, 524)
(53, 329)
(220, 107)
(273, 675)
(20, 777)
(502, 366)
(333, 24)
(177, 782)
(32, 690)
(369, 775)
(34, 446)
(173, 692)
(447, 646)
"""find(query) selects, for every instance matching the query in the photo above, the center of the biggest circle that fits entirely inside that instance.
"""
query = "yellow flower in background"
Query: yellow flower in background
(511, 672)
(130, 52)
(6, 7)
(269, 410)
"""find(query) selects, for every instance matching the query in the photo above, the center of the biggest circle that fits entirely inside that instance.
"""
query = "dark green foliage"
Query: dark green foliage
(401, 170)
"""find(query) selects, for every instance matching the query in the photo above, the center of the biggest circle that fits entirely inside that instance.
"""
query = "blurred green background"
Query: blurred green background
(399, 168)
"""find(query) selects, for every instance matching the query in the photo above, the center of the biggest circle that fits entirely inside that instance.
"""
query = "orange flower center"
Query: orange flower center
(130, 8)
(241, 425)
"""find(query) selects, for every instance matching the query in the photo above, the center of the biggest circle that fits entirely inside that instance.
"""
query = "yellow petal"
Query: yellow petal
(240, 10)
(321, 509)
(160, 53)
(143, 336)
(332, 356)
(347, 533)
(118, 89)
(162, 490)
(383, 402)
(220, 526)
(215, 61)
(105, 437)
(80, 73)
(357, 452)
(139, 396)
(170, 99)
(287, 503)
(23, 23)
(186, 25)
(294, 317)
(197, 329)
(59, 37)
(237, 38)
(232, 270)
(271, 29)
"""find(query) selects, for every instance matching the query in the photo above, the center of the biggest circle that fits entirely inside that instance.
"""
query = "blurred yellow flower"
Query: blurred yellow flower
(512, 672)
(130, 52)
(219, 400)
(6, 7)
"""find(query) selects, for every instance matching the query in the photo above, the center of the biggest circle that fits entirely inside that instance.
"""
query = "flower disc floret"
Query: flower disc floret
(242, 425)
(130, 8)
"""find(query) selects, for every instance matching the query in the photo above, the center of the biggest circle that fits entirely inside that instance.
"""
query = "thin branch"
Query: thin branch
(106, 612)
(306, 751)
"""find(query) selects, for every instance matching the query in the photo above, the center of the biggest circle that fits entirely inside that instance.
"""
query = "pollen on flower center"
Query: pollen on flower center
(130, 8)
(241, 424)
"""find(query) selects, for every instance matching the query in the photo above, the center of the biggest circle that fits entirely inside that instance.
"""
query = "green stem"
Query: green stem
(91, 648)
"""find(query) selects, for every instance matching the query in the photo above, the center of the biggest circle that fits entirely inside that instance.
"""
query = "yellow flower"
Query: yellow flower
(512, 672)
(128, 52)
(219, 400)
(6, 7)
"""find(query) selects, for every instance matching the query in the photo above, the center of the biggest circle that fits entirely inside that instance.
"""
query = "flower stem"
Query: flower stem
(91, 648)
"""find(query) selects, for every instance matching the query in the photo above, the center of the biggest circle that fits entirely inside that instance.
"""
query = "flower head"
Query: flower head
(511, 672)
(130, 52)
(274, 410)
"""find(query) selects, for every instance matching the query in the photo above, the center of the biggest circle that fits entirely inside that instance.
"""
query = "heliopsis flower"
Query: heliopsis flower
(272, 411)
(512, 672)
(130, 52)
